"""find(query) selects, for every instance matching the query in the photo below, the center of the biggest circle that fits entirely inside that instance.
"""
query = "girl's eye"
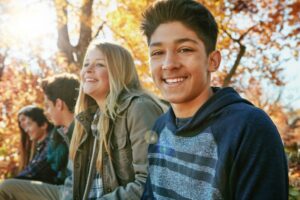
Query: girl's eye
(86, 64)
(99, 65)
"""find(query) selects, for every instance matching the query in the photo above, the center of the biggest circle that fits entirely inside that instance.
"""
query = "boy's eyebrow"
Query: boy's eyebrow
(177, 41)
(182, 40)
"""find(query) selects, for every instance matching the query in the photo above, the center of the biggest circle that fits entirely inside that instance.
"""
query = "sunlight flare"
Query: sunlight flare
(30, 22)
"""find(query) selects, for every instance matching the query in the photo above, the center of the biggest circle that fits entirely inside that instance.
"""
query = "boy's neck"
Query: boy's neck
(188, 109)
(68, 118)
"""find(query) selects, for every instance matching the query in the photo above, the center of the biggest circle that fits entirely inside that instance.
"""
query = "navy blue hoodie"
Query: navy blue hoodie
(228, 150)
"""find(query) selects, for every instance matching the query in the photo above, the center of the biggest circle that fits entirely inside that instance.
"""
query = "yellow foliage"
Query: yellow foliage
(258, 26)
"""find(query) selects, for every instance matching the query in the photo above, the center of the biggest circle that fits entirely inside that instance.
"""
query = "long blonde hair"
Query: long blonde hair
(122, 76)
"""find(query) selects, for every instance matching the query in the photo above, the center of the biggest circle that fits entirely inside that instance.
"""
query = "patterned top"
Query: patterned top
(229, 149)
(97, 188)
(38, 168)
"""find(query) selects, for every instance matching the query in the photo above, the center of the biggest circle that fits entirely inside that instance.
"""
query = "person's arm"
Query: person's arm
(141, 117)
(58, 156)
(260, 167)
(37, 166)
(66, 191)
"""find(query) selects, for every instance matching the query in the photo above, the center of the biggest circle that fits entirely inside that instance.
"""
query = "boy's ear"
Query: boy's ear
(44, 126)
(59, 104)
(214, 60)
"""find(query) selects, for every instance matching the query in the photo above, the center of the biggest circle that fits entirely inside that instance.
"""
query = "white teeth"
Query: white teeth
(89, 79)
(174, 80)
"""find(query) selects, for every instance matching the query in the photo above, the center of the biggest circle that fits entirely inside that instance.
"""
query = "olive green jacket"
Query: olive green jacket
(125, 173)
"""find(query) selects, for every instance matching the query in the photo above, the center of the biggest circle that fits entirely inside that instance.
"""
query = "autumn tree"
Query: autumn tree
(18, 87)
(74, 53)
(256, 39)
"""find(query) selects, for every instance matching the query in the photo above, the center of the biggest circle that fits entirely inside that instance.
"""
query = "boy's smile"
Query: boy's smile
(180, 66)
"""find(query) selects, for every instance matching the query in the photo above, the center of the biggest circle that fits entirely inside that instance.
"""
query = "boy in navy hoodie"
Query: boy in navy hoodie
(211, 144)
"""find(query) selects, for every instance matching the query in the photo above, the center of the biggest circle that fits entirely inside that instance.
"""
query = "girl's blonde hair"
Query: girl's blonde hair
(122, 76)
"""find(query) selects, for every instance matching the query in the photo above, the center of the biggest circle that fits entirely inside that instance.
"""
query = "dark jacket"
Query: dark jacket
(228, 150)
(39, 168)
(58, 152)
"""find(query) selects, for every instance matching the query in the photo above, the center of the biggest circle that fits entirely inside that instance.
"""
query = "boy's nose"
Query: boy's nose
(170, 61)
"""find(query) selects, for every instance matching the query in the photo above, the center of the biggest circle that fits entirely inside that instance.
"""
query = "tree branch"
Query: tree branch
(2, 65)
(85, 34)
(239, 56)
(99, 29)
(295, 123)
(63, 41)
(235, 65)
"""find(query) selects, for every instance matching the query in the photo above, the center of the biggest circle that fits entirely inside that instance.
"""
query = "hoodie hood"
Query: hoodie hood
(222, 98)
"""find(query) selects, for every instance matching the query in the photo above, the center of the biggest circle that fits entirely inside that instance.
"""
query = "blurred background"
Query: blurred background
(259, 41)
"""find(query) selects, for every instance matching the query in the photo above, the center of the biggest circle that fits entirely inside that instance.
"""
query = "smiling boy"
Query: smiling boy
(212, 144)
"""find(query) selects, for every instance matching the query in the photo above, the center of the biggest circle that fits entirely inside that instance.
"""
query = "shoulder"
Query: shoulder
(242, 113)
(242, 122)
(140, 103)
(146, 101)
(140, 113)
(261, 125)
(250, 116)
(144, 107)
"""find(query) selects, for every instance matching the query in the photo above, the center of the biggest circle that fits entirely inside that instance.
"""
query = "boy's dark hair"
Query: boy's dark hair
(190, 13)
(36, 114)
(63, 86)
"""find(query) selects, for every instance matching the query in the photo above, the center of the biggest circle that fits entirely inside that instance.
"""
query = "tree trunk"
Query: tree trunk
(74, 54)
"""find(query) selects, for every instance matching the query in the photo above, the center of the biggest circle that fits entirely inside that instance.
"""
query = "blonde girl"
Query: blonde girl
(108, 148)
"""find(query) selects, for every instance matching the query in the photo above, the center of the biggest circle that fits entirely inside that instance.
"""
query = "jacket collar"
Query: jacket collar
(125, 100)
(85, 118)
